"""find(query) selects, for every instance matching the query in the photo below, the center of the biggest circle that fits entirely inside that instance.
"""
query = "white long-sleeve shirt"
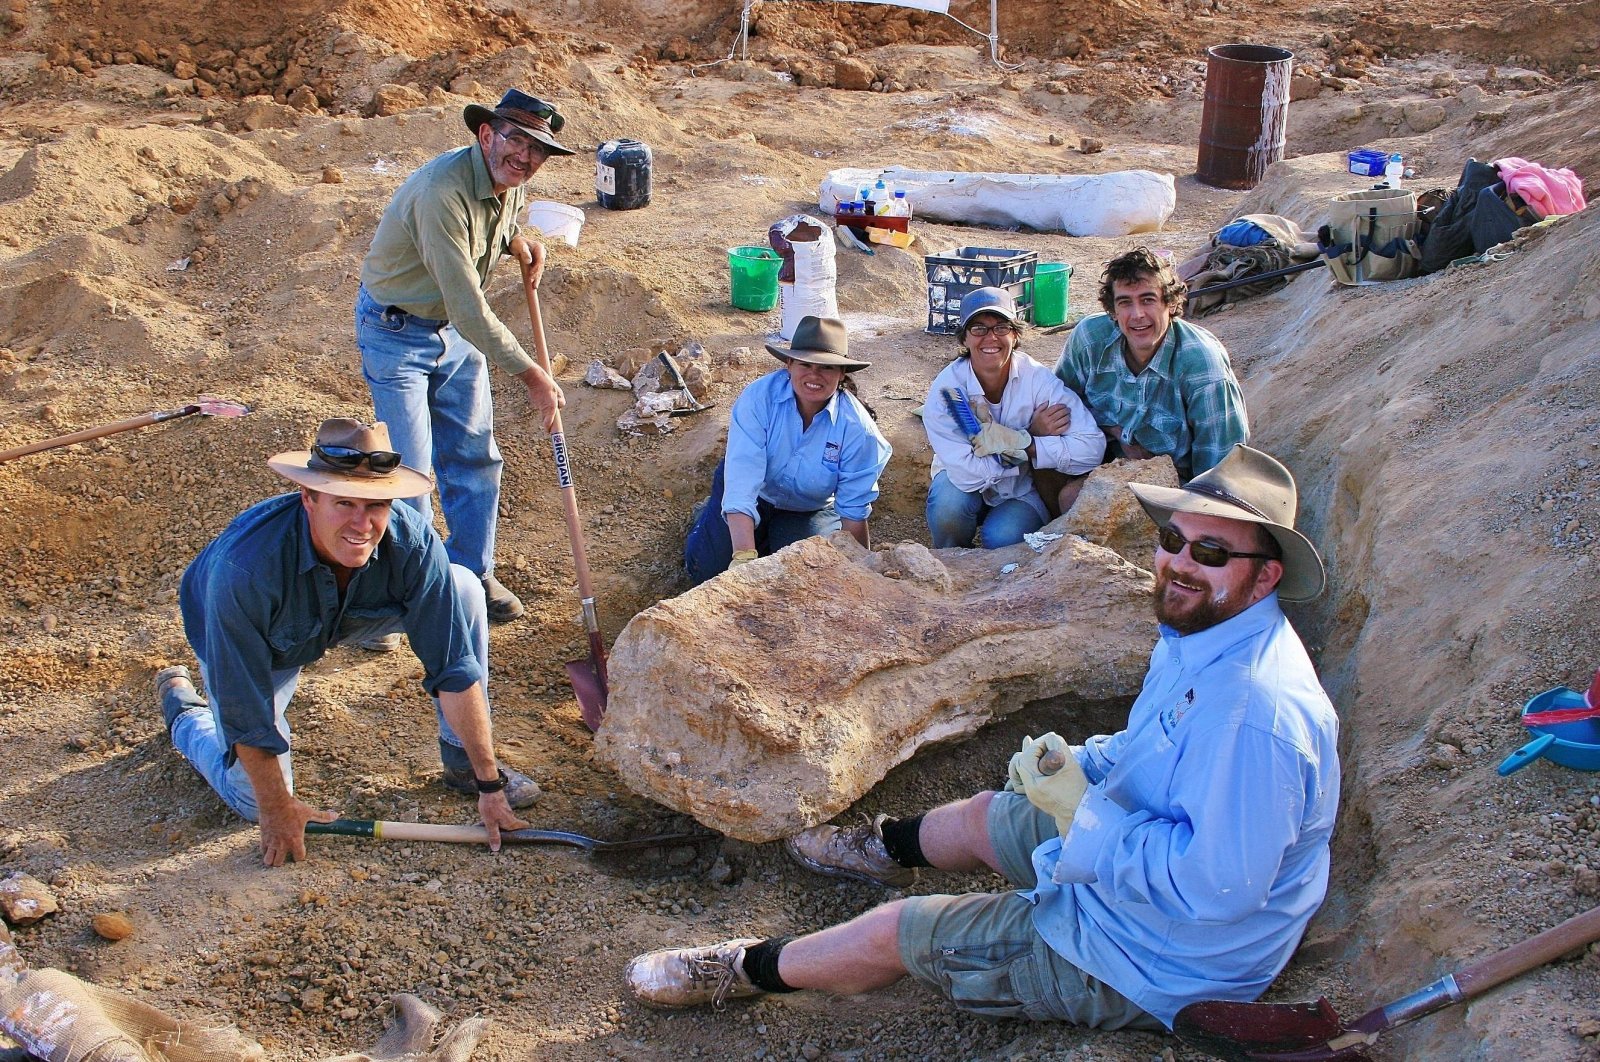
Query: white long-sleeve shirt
(1029, 386)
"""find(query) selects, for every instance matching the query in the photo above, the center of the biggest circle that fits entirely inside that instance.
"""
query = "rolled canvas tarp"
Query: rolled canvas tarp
(1101, 204)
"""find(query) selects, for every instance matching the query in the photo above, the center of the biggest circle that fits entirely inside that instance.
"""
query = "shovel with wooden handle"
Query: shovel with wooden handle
(1313, 1032)
(588, 677)
(205, 405)
(380, 830)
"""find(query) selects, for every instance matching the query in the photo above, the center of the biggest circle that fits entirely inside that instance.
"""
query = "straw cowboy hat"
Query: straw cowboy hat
(340, 462)
(530, 114)
(1250, 486)
(819, 341)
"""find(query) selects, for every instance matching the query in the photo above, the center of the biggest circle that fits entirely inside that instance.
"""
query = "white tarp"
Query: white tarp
(1101, 204)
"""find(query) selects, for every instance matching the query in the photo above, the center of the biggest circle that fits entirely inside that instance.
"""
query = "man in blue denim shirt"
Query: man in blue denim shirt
(1177, 860)
(296, 574)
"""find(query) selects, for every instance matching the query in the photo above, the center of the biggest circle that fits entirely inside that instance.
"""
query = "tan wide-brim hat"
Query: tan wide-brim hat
(1250, 486)
(819, 341)
(532, 115)
(308, 468)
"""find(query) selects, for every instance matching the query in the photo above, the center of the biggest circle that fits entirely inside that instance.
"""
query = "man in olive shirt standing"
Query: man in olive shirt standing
(426, 332)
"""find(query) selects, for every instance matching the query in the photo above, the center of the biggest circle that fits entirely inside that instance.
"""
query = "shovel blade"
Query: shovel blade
(1253, 1032)
(212, 406)
(590, 689)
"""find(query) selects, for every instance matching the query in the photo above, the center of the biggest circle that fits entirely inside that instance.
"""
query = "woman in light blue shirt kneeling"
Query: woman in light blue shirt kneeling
(804, 456)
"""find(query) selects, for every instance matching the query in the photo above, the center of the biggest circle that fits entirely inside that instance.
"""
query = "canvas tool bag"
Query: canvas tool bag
(1371, 236)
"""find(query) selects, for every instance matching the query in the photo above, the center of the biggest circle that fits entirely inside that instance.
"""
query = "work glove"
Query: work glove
(1047, 773)
(410, 1035)
(1010, 445)
(742, 556)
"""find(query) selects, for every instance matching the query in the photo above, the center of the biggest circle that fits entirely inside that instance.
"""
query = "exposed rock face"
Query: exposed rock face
(1107, 514)
(772, 697)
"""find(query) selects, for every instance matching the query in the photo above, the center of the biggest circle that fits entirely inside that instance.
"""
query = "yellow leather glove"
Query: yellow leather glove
(1047, 773)
(1008, 444)
(742, 556)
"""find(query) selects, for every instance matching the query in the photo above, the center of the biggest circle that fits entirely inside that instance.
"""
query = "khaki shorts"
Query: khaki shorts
(982, 951)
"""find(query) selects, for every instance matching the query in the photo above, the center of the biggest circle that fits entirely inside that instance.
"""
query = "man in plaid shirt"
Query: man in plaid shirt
(1155, 383)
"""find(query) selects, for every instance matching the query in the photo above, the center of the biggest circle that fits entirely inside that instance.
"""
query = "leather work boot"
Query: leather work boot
(850, 852)
(176, 693)
(504, 606)
(383, 643)
(689, 977)
(521, 791)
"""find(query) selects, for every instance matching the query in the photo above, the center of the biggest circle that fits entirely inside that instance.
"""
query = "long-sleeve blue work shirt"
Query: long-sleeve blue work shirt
(258, 600)
(771, 455)
(1200, 851)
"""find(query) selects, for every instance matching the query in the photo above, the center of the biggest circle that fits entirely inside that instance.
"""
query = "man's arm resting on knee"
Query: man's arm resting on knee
(467, 712)
(283, 818)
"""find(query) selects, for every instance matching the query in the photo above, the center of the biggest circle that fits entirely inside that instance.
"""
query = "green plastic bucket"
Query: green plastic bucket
(1050, 281)
(755, 277)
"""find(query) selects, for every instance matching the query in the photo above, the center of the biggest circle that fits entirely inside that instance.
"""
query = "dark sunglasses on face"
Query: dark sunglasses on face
(981, 330)
(1205, 554)
(348, 457)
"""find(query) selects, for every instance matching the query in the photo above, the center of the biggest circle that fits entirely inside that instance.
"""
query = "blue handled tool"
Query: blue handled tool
(961, 410)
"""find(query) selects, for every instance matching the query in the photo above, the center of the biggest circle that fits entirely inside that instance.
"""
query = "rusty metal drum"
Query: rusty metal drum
(1246, 113)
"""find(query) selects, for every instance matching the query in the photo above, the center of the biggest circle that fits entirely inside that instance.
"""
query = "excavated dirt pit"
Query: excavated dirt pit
(1443, 430)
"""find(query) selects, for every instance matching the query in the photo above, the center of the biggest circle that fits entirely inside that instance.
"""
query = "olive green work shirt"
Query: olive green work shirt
(437, 242)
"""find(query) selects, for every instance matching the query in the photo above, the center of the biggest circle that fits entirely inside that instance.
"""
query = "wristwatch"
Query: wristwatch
(497, 785)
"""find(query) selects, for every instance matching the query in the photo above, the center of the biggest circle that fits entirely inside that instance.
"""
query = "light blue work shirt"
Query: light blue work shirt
(770, 455)
(1200, 851)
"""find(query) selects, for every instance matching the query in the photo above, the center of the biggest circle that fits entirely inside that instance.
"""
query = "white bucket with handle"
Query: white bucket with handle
(556, 221)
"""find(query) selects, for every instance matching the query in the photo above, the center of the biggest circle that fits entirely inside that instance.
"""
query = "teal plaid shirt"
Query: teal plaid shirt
(1185, 403)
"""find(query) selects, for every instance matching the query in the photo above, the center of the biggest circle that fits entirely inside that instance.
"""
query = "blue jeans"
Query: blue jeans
(431, 387)
(709, 548)
(198, 735)
(954, 516)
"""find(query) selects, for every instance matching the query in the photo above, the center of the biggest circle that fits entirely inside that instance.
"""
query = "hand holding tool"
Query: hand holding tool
(1047, 773)
(973, 422)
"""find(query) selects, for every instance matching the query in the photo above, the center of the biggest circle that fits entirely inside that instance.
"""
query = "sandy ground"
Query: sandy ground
(1443, 430)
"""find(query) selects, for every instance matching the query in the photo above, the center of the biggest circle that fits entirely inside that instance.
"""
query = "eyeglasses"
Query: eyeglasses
(981, 330)
(522, 142)
(1205, 554)
(348, 458)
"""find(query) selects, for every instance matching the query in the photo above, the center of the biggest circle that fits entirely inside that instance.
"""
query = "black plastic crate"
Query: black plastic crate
(953, 273)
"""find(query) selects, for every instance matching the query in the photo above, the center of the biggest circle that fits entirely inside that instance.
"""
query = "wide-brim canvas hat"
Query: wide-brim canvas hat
(988, 300)
(819, 341)
(309, 469)
(1246, 485)
(532, 115)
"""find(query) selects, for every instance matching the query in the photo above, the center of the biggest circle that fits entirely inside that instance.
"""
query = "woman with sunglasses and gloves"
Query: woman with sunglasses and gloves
(804, 456)
(992, 416)
(427, 334)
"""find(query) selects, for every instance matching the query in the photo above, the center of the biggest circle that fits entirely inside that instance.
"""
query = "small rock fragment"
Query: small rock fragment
(602, 375)
(113, 925)
(332, 175)
(1090, 146)
(24, 900)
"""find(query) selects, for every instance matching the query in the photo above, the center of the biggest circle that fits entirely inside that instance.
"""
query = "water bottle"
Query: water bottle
(1393, 170)
(900, 206)
(881, 195)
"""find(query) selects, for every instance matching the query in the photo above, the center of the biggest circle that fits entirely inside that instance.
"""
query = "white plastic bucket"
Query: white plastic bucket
(557, 221)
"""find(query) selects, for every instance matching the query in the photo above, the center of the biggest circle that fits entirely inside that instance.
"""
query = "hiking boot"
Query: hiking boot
(176, 693)
(692, 977)
(504, 606)
(521, 791)
(383, 643)
(850, 852)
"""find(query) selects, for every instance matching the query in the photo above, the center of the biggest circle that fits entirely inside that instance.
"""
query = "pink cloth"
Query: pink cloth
(1546, 191)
